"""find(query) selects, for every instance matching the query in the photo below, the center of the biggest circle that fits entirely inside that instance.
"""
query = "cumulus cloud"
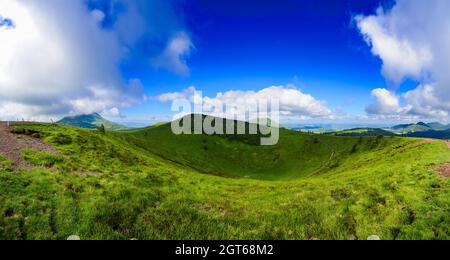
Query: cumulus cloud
(57, 59)
(418, 105)
(387, 102)
(113, 112)
(423, 101)
(61, 57)
(174, 56)
(292, 101)
(185, 94)
(401, 57)
(413, 41)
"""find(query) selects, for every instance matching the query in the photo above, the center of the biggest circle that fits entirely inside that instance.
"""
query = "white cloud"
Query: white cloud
(417, 106)
(423, 101)
(57, 59)
(185, 94)
(401, 56)
(19, 111)
(174, 56)
(113, 112)
(292, 101)
(387, 102)
(413, 41)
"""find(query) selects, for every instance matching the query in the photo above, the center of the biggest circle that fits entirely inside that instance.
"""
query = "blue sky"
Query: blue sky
(249, 45)
(348, 60)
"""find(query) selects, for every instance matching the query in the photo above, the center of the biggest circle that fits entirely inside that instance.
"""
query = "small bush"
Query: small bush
(354, 148)
(101, 129)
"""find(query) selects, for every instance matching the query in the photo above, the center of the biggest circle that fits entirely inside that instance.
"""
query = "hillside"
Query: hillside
(419, 127)
(419, 130)
(91, 121)
(362, 132)
(438, 126)
(151, 184)
(296, 155)
(444, 134)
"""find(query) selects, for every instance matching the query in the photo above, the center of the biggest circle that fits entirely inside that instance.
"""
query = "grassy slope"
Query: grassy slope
(296, 155)
(105, 188)
(363, 132)
(442, 134)
(416, 128)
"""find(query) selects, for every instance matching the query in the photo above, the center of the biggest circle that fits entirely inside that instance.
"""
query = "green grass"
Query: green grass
(43, 159)
(5, 164)
(363, 132)
(149, 184)
(297, 155)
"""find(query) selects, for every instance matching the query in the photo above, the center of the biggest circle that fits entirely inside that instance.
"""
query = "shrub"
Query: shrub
(354, 148)
(101, 129)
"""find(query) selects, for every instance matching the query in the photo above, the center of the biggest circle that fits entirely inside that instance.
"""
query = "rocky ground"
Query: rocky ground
(11, 146)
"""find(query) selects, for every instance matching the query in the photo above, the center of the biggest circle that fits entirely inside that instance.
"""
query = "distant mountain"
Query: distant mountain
(423, 124)
(419, 127)
(308, 127)
(436, 134)
(438, 126)
(363, 132)
(90, 121)
(420, 130)
(411, 128)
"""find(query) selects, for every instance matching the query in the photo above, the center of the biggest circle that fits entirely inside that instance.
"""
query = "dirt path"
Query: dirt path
(12, 144)
(427, 140)
(430, 140)
(443, 170)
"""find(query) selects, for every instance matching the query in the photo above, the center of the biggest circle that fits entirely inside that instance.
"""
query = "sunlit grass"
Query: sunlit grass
(109, 186)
